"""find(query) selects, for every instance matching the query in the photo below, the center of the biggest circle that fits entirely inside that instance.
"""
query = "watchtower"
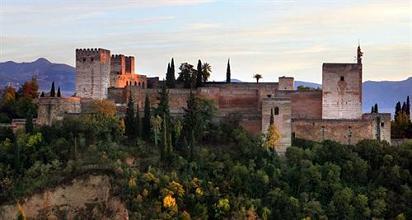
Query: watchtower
(342, 89)
(92, 73)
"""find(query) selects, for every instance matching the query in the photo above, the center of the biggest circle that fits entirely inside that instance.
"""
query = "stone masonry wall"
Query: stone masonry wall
(281, 108)
(342, 91)
(345, 131)
(307, 104)
(92, 73)
(237, 98)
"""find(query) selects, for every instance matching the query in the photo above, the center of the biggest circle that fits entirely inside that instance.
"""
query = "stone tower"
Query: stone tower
(342, 89)
(92, 73)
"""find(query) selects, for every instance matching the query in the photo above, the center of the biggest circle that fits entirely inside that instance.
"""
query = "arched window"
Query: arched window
(276, 110)
(135, 83)
(342, 78)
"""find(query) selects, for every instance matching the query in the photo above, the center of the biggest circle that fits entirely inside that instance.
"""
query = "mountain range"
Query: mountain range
(384, 93)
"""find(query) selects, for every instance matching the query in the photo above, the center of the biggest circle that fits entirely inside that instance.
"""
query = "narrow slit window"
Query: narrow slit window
(342, 78)
(276, 110)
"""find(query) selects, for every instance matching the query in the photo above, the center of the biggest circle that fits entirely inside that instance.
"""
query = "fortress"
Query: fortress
(333, 112)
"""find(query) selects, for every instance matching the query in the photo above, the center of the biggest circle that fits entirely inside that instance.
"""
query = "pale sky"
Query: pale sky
(269, 37)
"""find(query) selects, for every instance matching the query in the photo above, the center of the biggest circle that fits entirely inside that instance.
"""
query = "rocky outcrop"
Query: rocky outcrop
(85, 198)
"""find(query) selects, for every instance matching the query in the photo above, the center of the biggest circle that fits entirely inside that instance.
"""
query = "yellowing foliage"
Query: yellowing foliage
(272, 137)
(169, 202)
(176, 188)
(104, 107)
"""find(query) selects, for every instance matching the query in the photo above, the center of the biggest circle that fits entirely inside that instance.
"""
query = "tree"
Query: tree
(172, 72)
(206, 70)
(30, 88)
(166, 150)
(228, 73)
(9, 96)
(170, 76)
(273, 134)
(186, 75)
(137, 121)
(408, 107)
(42, 94)
(398, 110)
(156, 122)
(146, 128)
(199, 74)
(376, 108)
(29, 122)
(130, 120)
(257, 77)
(52, 90)
(163, 106)
(104, 107)
(58, 92)
(191, 121)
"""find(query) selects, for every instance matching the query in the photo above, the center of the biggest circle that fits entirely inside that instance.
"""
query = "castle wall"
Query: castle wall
(282, 120)
(286, 83)
(92, 73)
(381, 125)
(342, 91)
(307, 104)
(50, 110)
(345, 131)
(117, 67)
(237, 98)
(129, 65)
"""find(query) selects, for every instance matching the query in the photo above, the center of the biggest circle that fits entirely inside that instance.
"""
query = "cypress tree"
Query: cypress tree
(228, 72)
(58, 92)
(137, 121)
(199, 74)
(168, 76)
(272, 118)
(52, 90)
(166, 150)
(129, 120)
(403, 110)
(29, 122)
(376, 108)
(163, 106)
(191, 123)
(42, 94)
(372, 109)
(398, 110)
(408, 107)
(146, 119)
(172, 74)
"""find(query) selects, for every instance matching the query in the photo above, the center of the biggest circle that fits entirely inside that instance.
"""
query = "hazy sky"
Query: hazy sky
(269, 37)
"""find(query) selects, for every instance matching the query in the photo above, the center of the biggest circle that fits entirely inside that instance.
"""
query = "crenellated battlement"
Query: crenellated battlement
(91, 52)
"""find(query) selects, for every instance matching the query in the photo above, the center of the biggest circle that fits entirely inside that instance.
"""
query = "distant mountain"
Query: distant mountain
(46, 72)
(307, 84)
(385, 93)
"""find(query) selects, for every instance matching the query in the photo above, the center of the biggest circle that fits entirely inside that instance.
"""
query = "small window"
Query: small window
(382, 124)
(342, 78)
(269, 95)
(276, 111)
(84, 59)
(135, 83)
(92, 59)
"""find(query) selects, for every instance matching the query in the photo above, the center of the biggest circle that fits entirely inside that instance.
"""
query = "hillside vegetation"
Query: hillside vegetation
(163, 167)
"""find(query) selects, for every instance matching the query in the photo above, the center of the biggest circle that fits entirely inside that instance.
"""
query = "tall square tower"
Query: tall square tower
(342, 90)
(92, 73)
